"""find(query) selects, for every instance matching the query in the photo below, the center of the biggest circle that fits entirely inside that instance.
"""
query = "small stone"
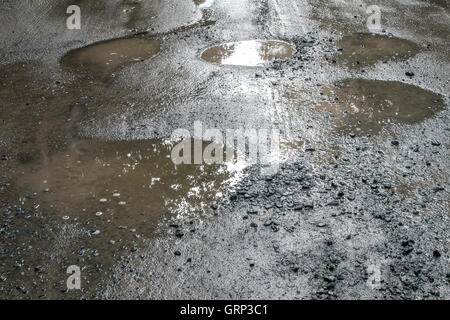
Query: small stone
(98, 214)
(379, 215)
(436, 254)
(95, 233)
(409, 74)
(22, 289)
(214, 206)
(177, 253)
(268, 222)
(309, 205)
(179, 233)
(233, 196)
(103, 200)
(395, 143)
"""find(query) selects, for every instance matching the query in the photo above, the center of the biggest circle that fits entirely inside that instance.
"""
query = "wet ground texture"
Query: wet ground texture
(358, 207)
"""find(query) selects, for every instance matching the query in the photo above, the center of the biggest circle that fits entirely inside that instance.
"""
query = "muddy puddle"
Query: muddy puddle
(363, 50)
(365, 107)
(123, 183)
(248, 53)
(106, 57)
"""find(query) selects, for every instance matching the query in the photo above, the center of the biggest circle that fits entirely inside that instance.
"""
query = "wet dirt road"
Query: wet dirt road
(358, 207)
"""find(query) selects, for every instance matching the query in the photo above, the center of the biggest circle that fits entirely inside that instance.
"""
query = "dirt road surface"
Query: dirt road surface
(356, 208)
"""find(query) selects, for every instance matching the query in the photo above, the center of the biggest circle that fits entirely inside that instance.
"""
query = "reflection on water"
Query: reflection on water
(106, 57)
(125, 182)
(366, 106)
(203, 4)
(248, 53)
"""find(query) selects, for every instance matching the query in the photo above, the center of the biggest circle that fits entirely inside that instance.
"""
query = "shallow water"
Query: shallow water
(248, 53)
(128, 182)
(364, 49)
(106, 57)
(366, 106)
(203, 4)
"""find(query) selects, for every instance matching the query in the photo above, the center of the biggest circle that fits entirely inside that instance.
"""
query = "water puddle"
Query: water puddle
(203, 4)
(440, 3)
(106, 57)
(129, 183)
(248, 53)
(363, 50)
(366, 106)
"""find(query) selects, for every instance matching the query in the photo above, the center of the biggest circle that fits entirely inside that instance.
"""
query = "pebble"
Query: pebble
(179, 233)
(436, 254)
